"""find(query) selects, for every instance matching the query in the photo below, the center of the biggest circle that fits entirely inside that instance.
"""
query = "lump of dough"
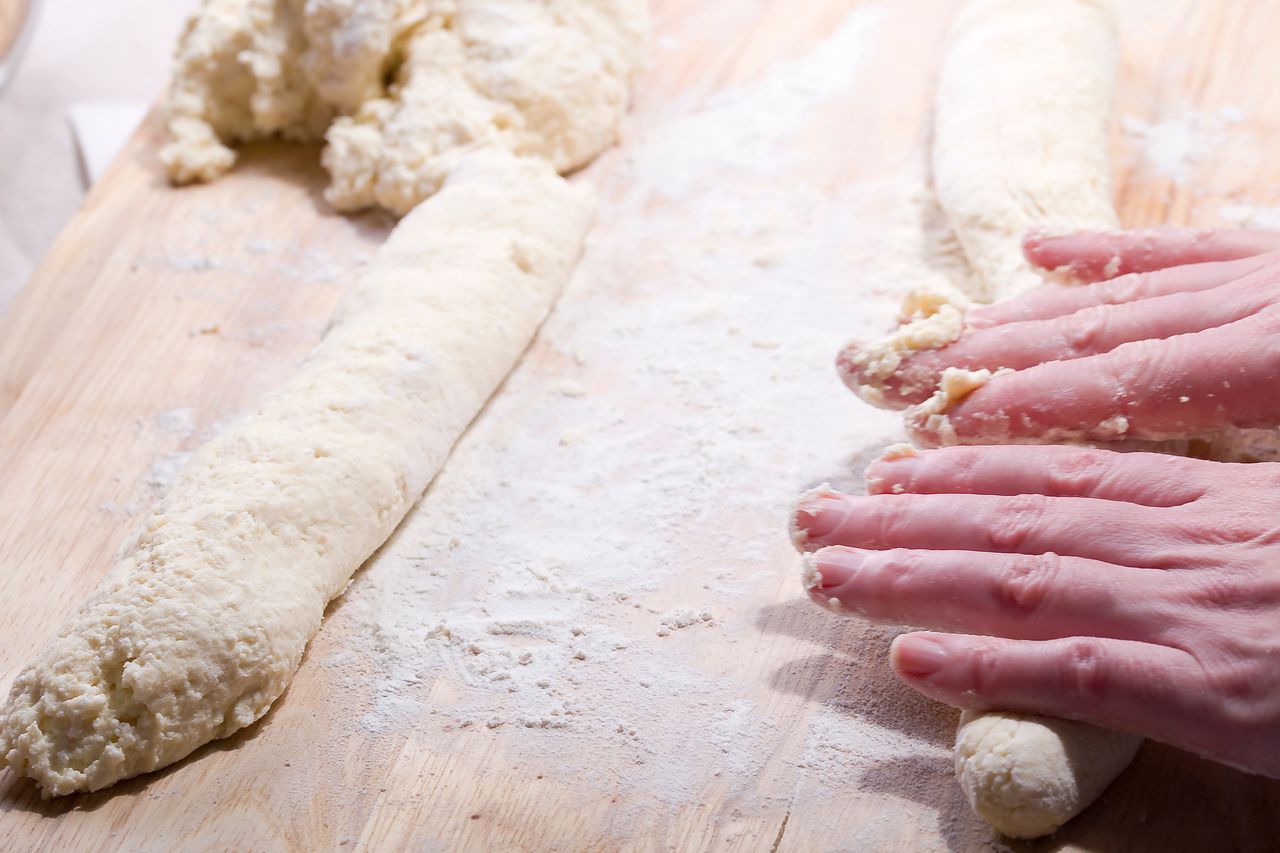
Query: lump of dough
(547, 79)
(402, 90)
(236, 78)
(1022, 130)
(1028, 775)
(204, 617)
(351, 46)
(935, 320)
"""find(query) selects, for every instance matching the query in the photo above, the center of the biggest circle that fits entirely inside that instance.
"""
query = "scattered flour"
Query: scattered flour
(682, 617)
(638, 469)
(163, 471)
(1249, 216)
(1175, 147)
(196, 262)
(181, 422)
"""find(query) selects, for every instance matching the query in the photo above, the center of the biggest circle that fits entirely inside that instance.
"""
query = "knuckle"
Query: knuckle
(1075, 473)
(1219, 591)
(1143, 365)
(1269, 320)
(1129, 287)
(1017, 519)
(1083, 333)
(893, 572)
(986, 670)
(1244, 691)
(1028, 584)
(898, 520)
(964, 467)
(1234, 590)
(1085, 673)
(1236, 529)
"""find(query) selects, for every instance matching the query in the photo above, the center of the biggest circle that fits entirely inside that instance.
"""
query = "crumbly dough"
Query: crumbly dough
(206, 613)
(1027, 776)
(938, 321)
(351, 45)
(1022, 130)
(1021, 140)
(547, 78)
(237, 77)
(956, 384)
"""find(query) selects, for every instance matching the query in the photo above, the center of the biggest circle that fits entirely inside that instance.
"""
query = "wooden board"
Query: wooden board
(159, 313)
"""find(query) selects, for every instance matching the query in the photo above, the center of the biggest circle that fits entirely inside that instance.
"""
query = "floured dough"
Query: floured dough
(237, 76)
(402, 89)
(1027, 776)
(1021, 140)
(206, 613)
(538, 78)
(1022, 130)
(956, 384)
(939, 322)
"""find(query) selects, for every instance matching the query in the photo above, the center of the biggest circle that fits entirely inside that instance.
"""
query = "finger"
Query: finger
(1098, 255)
(1092, 331)
(1150, 479)
(1051, 301)
(1022, 596)
(1113, 532)
(1112, 683)
(1190, 385)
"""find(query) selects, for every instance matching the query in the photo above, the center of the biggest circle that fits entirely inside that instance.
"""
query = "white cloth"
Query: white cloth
(80, 52)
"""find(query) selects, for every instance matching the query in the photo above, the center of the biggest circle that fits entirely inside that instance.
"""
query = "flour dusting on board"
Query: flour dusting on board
(1175, 146)
(569, 584)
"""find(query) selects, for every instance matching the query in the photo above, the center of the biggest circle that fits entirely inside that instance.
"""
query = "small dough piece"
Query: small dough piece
(938, 320)
(549, 79)
(546, 78)
(204, 617)
(956, 384)
(1028, 775)
(353, 44)
(1022, 130)
(1022, 141)
(236, 78)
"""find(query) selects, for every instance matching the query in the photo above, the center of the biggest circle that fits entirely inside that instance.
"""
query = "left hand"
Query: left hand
(1186, 342)
(1135, 591)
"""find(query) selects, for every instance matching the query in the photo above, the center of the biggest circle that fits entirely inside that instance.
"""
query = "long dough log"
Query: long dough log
(1022, 133)
(1022, 140)
(204, 617)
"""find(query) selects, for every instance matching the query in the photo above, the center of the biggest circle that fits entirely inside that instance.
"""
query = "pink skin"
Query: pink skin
(1135, 591)
(1134, 346)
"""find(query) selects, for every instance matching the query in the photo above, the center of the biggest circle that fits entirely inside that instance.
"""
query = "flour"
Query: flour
(194, 262)
(588, 600)
(1175, 147)
(682, 617)
(1250, 216)
(181, 421)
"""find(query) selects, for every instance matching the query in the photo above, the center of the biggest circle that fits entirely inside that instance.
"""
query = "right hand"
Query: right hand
(1185, 342)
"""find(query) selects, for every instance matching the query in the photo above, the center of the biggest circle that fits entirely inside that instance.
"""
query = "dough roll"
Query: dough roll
(204, 617)
(1022, 130)
(1022, 140)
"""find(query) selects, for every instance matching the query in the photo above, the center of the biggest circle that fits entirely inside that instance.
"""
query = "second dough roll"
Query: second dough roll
(203, 619)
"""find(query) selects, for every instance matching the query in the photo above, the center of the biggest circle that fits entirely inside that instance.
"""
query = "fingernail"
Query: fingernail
(818, 514)
(917, 656)
(836, 566)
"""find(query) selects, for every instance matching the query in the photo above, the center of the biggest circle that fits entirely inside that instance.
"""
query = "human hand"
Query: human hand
(1134, 591)
(1183, 343)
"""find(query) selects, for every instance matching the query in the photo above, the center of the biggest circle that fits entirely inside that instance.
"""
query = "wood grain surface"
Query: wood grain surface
(197, 300)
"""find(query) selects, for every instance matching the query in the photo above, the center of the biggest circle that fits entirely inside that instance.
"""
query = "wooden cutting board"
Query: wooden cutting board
(160, 313)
